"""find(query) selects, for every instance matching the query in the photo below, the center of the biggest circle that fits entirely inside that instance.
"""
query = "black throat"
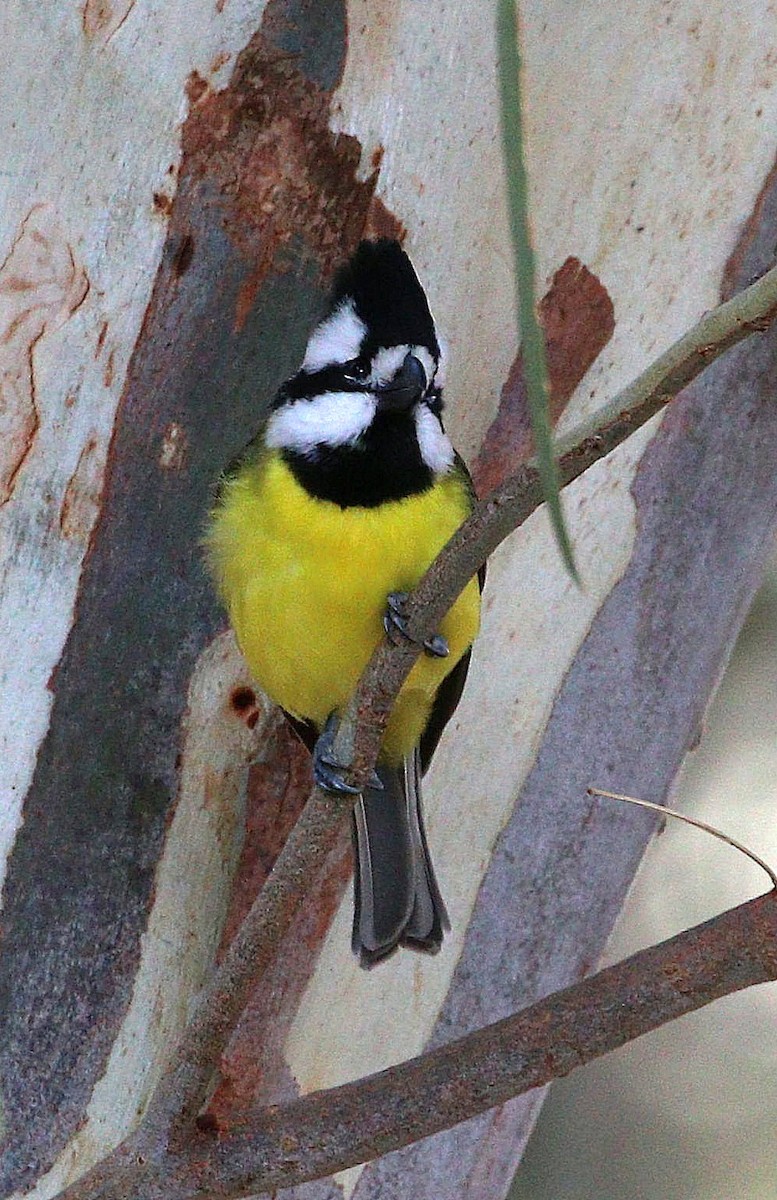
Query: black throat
(385, 464)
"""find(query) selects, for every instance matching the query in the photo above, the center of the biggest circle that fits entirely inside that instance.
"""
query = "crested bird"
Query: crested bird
(320, 529)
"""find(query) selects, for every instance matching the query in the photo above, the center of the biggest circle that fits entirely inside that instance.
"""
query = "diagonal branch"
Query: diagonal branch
(513, 502)
(347, 1125)
(184, 1086)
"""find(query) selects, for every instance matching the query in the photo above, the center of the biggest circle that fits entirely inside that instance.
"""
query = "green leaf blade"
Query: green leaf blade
(532, 339)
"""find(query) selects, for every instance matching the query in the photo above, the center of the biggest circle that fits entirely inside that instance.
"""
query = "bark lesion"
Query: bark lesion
(41, 286)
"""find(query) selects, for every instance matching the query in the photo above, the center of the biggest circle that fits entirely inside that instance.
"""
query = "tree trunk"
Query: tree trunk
(181, 179)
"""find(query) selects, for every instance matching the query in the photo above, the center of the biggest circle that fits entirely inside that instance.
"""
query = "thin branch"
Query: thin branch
(513, 502)
(666, 811)
(309, 1138)
(184, 1086)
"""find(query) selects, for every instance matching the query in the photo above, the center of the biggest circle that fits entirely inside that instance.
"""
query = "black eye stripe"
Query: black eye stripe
(333, 378)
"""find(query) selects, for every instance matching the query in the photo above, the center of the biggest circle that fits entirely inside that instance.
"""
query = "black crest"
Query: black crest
(381, 281)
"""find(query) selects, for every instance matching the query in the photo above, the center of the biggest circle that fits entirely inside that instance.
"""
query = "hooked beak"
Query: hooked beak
(405, 389)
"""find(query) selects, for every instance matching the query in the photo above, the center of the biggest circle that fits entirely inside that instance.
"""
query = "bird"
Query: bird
(319, 531)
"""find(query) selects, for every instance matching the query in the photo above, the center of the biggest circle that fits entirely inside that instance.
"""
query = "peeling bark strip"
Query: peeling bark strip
(577, 317)
(268, 202)
(265, 143)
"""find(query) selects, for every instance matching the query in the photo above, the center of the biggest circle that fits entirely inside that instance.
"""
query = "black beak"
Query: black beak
(405, 389)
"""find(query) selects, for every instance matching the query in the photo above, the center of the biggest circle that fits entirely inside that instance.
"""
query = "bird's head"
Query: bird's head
(368, 396)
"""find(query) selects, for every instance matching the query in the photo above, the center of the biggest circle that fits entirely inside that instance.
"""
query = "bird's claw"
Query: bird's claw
(395, 625)
(327, 768)
(436, 646)
(329, 777)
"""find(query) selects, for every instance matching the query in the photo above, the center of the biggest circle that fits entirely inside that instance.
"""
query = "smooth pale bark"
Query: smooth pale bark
(165, 247)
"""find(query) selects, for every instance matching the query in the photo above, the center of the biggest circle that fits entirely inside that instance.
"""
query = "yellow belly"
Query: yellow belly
(305, 583)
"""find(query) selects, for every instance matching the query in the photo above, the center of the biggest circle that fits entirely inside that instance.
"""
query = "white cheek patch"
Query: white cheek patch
(387, 362)
(338, 339)
(433, 442)
(331, 419)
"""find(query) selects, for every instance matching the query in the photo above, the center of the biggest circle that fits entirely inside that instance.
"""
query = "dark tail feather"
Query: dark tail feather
(396, 897)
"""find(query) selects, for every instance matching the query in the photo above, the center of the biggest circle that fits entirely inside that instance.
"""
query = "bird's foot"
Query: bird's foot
(327, 768)
(395, 625)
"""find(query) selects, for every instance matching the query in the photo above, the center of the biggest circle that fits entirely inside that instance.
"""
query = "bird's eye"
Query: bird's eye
(355, 371)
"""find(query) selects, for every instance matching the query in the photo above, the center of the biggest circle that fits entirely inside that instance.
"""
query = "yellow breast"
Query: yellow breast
(305, 583)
